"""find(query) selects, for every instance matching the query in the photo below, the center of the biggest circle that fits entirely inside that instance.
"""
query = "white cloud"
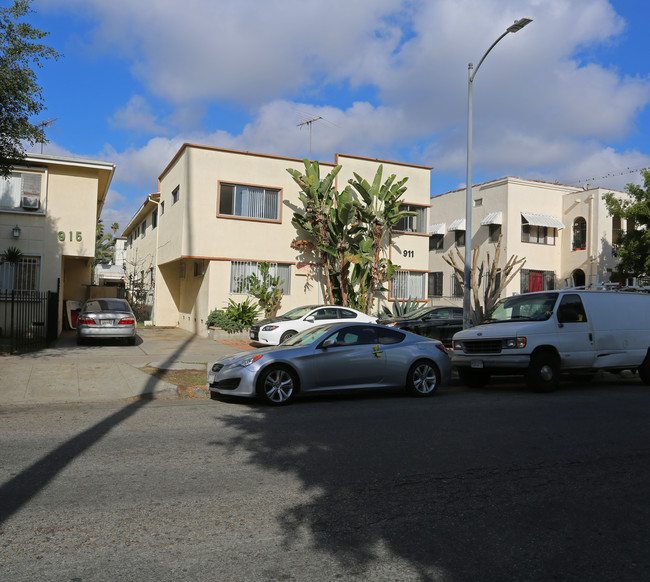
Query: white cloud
(539, 106)
(137, 115)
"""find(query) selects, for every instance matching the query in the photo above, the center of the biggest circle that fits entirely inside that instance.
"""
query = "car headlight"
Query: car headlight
(249, 361)
(458, 346)
(270, 327)
(515, 342)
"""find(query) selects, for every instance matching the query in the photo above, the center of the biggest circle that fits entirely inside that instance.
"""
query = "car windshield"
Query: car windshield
(309, 336)
(297, 313)
(107, 305)
(532, 307)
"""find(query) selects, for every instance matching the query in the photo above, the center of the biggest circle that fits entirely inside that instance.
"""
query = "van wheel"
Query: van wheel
(644, 371)
(543, 374)
(473, 378)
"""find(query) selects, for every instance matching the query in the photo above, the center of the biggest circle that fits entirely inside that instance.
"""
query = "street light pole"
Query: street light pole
(467, 274)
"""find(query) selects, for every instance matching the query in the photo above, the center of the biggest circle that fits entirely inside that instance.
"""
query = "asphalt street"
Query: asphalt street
(488, 485)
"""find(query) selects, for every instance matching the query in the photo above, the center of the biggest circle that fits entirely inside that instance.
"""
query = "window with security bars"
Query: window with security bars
(417, 223)
(536, 280)
(456, 287)
(25, 275)
(249, 201)
(21, 191)
(435, 284)
(239, 270)
(408, 285)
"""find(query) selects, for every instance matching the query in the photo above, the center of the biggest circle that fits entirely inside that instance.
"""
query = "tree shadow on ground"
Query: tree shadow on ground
(457, 487)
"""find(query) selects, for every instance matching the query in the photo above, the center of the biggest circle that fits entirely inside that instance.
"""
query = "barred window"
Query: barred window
(435, 284)
(249, 201)
(456, 287)
(25, 275)
(408, 285)
(239, 270)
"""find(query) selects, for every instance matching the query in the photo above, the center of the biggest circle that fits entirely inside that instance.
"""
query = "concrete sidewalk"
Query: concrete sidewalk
(105, 371)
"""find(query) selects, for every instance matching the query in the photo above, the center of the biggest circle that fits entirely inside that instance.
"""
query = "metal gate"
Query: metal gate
(28, 319)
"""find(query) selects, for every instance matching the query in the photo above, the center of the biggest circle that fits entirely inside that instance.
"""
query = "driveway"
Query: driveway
(106, 371)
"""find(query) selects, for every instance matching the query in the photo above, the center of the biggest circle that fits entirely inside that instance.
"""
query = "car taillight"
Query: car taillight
(87, 321)
(442, 348)
(127, 321)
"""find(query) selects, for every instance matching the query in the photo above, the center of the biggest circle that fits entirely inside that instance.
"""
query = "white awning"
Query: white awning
(438, 228)
(542, 220)
(458, 224)
(492, 218)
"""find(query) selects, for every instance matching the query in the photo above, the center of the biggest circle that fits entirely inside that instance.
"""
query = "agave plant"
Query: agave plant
(401, 308)
(11, 255)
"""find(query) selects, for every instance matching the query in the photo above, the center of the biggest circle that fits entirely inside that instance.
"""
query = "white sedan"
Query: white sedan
(274, 331)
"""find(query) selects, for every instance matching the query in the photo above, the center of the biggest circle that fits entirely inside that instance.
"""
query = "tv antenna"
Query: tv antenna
(44, 124)
(310, 122)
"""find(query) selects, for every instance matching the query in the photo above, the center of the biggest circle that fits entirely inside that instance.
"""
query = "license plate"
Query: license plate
(107, 323)
(253, 335)
(476, 364)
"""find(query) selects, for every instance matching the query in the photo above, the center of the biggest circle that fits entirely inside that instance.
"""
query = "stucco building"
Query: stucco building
(49, 208)
(565, 234)
(218, 213)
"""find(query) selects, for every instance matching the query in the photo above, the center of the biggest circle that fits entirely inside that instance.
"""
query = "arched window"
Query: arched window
(579, 234)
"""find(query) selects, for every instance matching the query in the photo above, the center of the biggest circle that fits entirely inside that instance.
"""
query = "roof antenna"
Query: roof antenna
(309, 122)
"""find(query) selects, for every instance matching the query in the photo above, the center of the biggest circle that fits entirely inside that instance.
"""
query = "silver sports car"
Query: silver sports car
(337, 356)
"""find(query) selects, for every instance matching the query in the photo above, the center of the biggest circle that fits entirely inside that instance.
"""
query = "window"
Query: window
(459, 238)
(456, 287)
(176, 192)
(579, 234)
(143, 227)
(239, 270)
(435, 284)
(542, 235)
(249, 201)
(436, 242)
(162, 208)
(478, 202)
(408, 285)
(21, 191)
(154, 218)
(495, 232)
(537, 280)
(415, 223)
(24, 275)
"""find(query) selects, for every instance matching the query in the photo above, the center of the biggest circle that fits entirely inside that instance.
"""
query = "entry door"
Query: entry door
(575, 338)
(535, 281)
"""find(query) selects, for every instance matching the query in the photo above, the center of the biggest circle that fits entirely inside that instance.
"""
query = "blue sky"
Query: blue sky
(565, 99)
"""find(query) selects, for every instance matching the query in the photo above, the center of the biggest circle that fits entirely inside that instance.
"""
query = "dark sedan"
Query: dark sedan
(439, 323)
(334, 357)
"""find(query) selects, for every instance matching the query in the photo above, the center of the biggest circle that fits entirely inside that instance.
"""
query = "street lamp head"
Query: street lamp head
(519, 24)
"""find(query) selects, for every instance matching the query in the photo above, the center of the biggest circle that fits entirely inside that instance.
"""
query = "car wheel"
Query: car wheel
(644, 371)
(423, 378)
(473, 378)
(286, 335)
(543, 374)
(277, 385)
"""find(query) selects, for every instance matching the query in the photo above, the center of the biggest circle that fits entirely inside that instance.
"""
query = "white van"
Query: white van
(543, 334)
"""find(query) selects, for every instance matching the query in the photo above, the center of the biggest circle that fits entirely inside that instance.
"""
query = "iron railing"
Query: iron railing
(28, 319)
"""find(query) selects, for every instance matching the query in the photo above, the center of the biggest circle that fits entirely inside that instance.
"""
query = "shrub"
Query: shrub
(236, 316)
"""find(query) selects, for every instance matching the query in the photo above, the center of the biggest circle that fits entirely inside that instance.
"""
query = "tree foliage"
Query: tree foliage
(20, 95)
(349, 231)
(633, 244)
(104, 245)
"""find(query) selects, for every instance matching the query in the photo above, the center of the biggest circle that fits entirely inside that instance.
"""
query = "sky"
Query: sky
(563, 100)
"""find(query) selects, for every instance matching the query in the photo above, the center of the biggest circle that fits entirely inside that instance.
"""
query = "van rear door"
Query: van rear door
(575, 335)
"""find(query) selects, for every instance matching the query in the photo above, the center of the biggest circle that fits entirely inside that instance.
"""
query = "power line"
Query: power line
(610, 175)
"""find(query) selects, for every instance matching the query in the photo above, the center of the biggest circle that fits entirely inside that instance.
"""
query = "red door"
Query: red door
(536, 281)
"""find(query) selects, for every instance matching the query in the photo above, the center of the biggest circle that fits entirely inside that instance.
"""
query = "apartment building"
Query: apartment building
(49, 207)
(564, 233)
(219, 213)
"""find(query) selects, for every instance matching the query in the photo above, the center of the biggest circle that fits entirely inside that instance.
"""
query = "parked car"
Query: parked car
(106, 318)
(573, 331)
(439, 323)
(337, 356)
(278, 329)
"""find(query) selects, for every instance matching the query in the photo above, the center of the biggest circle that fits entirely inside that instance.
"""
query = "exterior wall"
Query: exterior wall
(192, 230)
(61, 232)
(512, 196)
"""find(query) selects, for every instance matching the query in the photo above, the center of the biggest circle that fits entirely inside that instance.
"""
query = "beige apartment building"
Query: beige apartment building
(565, 234)
(219, 213)
(49, 208)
